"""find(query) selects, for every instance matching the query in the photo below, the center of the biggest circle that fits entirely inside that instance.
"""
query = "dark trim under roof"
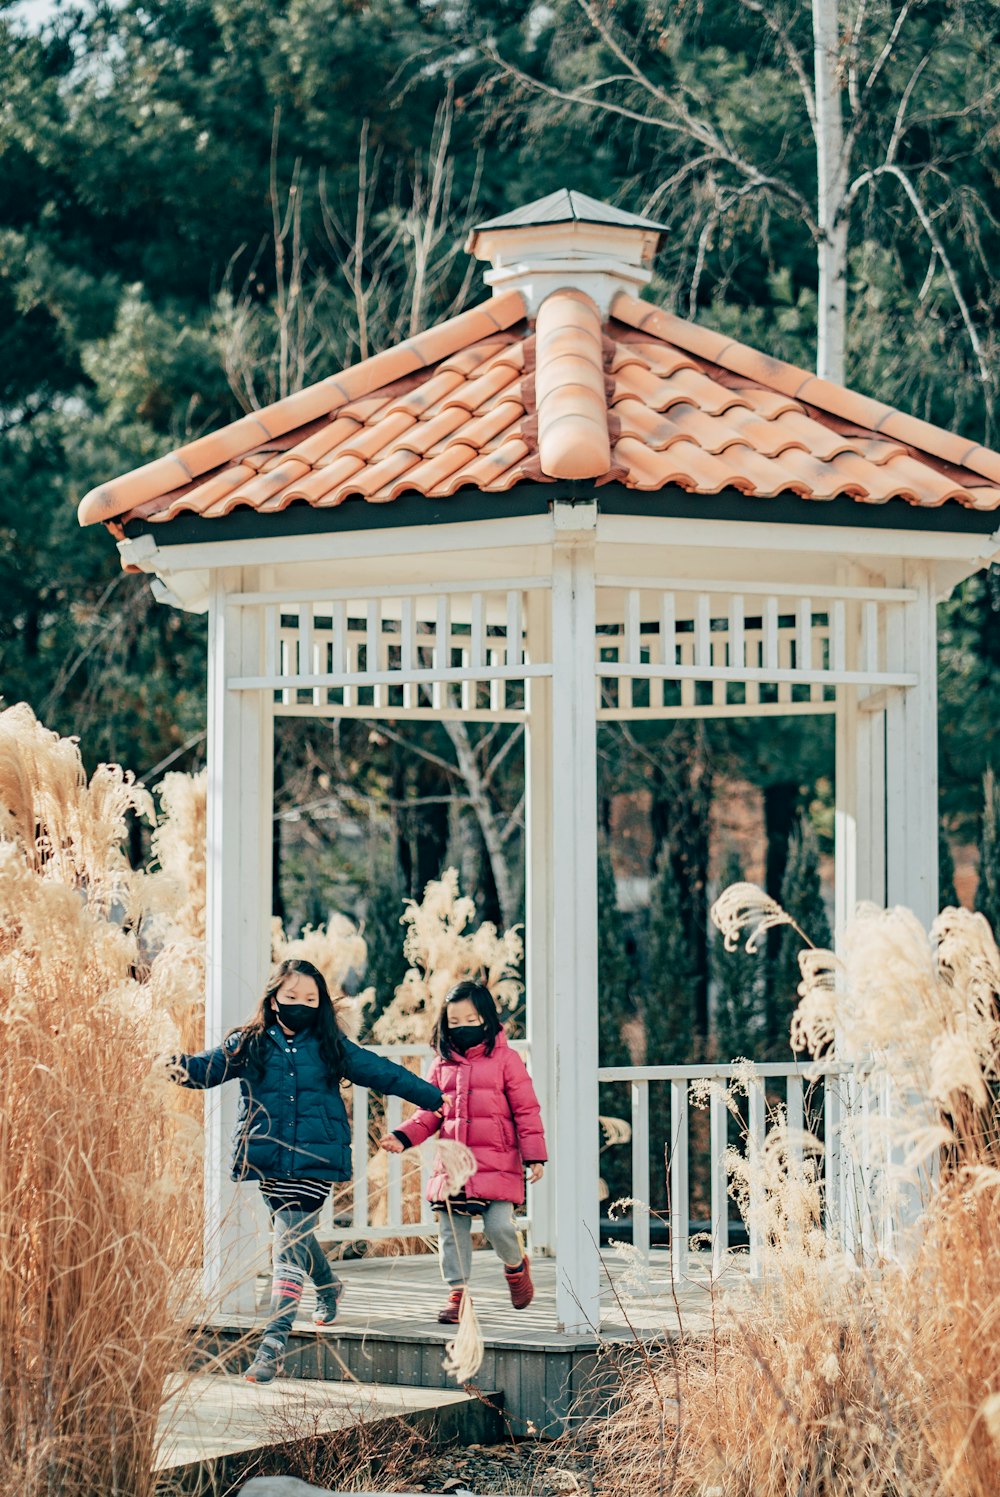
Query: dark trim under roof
(535, 498)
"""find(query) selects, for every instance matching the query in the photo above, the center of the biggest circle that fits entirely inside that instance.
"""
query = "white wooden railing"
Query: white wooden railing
(847, 1223)
(347, 1216)
(851, 1163)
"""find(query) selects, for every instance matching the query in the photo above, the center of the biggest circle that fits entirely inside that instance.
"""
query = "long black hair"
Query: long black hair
(252, 1035)
(482, 1000)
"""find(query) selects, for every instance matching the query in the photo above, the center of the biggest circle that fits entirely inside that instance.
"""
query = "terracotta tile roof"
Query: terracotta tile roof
(486, 401)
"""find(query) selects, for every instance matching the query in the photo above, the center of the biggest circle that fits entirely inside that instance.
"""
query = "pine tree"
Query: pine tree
(669, 1007)
(739, 988)
(802, 898)
(614, 975)
(946, 871)
(383, 934)
(614, 979)
(988, 892)
(669, 1004)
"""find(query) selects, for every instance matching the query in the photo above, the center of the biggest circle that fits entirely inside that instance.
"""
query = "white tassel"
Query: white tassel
(464, 1355)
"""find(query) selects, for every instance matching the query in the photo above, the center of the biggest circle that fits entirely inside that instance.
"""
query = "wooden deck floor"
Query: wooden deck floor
(394, 1296)
(387, 1331)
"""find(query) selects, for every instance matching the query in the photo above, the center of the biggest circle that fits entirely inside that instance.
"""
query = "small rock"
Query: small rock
(563, 1481)
(281, 1486)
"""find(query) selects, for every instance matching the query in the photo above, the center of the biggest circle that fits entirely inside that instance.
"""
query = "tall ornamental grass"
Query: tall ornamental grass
(97, 1166)
(873, 1373)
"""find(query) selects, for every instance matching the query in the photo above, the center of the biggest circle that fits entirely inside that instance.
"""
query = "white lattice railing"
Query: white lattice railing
(825, 1092)
(392, 1204)
(670, 645)
(411, 648)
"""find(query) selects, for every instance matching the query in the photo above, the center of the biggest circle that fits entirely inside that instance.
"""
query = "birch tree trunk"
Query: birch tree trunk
(831, 185)
(488, 824)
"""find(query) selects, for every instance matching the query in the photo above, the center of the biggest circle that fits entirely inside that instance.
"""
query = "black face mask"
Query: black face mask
(464, 1036)
(296, 1016)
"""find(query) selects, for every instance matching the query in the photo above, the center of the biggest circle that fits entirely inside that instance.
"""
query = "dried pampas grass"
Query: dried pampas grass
(97, 1165)
(454, 1162)
(745, 908)
(465, 1351)
(180, 847)
(443, 950)
(851, 1375)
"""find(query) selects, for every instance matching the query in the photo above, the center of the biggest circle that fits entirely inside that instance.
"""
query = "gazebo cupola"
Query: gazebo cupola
(567, 239)
(564, 506)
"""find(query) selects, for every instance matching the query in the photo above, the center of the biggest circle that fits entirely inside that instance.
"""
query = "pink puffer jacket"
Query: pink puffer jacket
(491, 1107)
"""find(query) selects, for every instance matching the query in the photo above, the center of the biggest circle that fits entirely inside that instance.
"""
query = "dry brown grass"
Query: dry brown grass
(378, 1455)
(96, 1164)
(850, 1375)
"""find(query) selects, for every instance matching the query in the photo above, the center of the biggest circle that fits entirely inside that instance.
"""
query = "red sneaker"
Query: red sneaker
(522, 1290)
(453, 1309)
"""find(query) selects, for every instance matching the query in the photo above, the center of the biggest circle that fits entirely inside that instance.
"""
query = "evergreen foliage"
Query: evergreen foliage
(384, 935)
(738, 977)
(614, 987)
(988, 892)
(802, 898)
(669, 1005)
(946, 870)
(614, 974)
(668, 1008)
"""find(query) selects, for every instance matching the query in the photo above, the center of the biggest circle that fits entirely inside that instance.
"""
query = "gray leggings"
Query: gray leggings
(296, 1255)
(456, 1241)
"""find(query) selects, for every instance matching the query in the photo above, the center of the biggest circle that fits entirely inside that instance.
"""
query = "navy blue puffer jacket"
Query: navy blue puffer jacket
(292, 1122)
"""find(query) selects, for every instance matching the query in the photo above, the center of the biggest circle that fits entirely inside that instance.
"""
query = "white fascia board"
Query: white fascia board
(770, 535)
(349, 545)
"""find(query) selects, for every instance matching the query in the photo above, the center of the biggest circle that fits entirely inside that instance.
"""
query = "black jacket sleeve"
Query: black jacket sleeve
(209, 1067)
(365, 1068)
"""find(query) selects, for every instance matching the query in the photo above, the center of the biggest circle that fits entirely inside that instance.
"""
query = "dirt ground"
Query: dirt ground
(525, 1468)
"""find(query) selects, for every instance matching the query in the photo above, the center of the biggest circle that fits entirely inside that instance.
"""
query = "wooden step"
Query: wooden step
(212, 1423)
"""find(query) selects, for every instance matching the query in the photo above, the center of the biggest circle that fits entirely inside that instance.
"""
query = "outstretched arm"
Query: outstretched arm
(208, 1068)
(365, 1068)
(418, 1128)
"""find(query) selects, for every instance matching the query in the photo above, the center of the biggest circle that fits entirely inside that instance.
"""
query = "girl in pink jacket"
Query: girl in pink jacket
(491, 1107)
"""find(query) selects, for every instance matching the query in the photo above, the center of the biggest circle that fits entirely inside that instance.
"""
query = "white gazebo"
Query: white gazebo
(562, 506)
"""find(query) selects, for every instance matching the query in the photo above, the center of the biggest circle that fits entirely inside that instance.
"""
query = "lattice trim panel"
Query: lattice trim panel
(675, 647)
(411, 652)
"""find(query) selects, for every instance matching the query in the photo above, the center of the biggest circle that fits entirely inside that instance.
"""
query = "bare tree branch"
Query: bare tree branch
(792, 55)
(927, 224)
(718, 149)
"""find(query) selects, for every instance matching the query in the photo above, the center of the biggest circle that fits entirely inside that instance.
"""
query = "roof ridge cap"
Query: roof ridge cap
(801, 384)
(194, 459)
(574, 440)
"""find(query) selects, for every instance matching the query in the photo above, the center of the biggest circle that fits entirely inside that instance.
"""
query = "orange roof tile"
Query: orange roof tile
(487, 401)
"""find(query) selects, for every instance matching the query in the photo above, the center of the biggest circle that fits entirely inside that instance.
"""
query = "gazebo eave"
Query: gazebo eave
(492, 534)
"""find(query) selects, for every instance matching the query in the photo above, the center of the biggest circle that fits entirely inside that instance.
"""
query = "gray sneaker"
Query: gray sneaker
(327, 1301)
(268, 1364)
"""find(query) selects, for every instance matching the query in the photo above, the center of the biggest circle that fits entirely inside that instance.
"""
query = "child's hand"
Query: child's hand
(535, 1173)
(390, 1144)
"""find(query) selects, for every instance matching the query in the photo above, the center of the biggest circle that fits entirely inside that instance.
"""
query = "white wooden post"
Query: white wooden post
(911, 756)
(573, 952)
(911, 834)
(238, 911)
(538, 905)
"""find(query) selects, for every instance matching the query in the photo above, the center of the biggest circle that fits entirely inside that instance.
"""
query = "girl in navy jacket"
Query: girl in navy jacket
(292, 1133)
